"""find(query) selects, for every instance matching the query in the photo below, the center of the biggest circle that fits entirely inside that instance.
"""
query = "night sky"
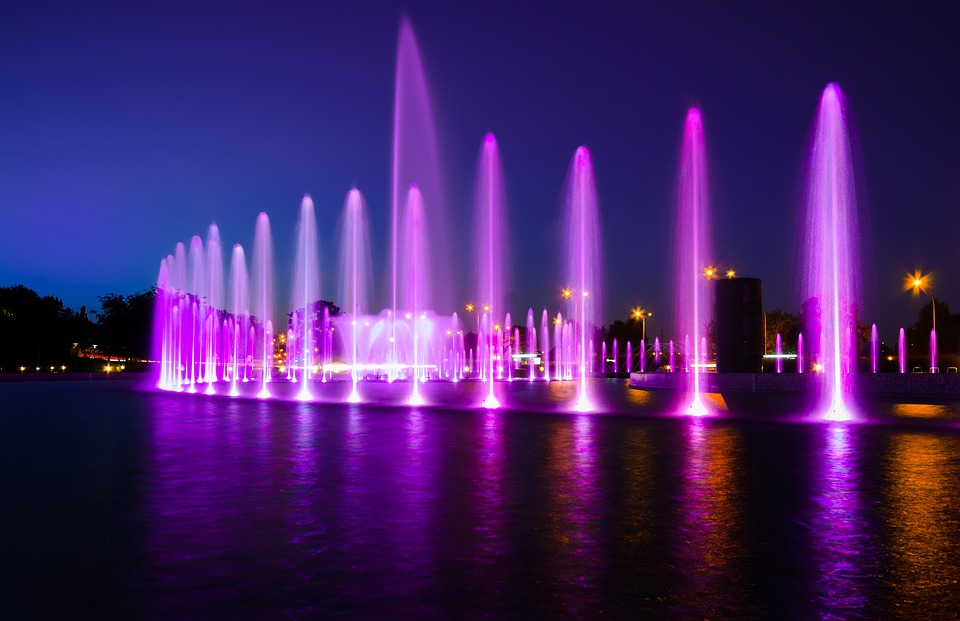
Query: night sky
(125, 128)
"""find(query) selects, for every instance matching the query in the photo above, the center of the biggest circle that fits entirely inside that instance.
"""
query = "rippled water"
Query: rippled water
(125, 503)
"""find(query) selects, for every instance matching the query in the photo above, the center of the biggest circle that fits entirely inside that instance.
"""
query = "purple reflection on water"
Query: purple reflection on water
(573, 519)
(842, 545)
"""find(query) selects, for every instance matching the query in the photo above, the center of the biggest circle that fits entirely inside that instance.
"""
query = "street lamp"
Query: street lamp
(641, 314)
(922, 283)
(710, 272)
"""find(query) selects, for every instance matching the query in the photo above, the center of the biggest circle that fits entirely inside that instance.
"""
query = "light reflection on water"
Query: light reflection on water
(843, 538)
(243, 508)
(711, 548)
(923, 479)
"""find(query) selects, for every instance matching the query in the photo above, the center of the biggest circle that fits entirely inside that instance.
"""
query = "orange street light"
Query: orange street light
(922, 283)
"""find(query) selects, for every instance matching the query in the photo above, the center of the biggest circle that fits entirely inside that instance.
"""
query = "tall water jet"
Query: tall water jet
(415, 161)
(197, 310)
(263, 296)
(416, 284)
(874, 349)
(831, 253)
(215, 304)
(491, 245)
(545, 336)
(306, 292)
(800, 353)
(582, 261)
(692, 277)
(239, 308)
(933, 352)
(643, 356)
(902, 351)
(778, 350)
(355, 277)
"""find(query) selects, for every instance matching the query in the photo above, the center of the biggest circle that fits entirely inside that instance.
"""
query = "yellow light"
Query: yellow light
(486, 308)
(409, 316)
(585, 294)
(918, 282)
(566, 293)
(449, 332)
(710, 271)
(556, 320)
(496, 326)
(817, 367)
(470, 307)
(731, 273)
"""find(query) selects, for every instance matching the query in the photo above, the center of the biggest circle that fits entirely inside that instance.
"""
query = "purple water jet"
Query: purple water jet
(263, 297)
(491, 245)
(933, 352)
(356, 278)
(692, 247)
(778, 350)
(800, 353)
(874, 349)
(902, 351)
(416, 160)
(416, 290)
(306, 291)
(239, 308)
(583, 263)
(831, 254)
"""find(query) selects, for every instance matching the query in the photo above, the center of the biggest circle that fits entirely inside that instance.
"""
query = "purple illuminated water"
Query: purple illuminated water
(263, 298)
(416, 161)
(306, 291)
(778, 350)
(902, 351)
(692, 248)
(874, 348)
(933, 352)
(414, 292)
(491, 248)
(800, 358)
(356, 278)
(831, 255)
(583, 265)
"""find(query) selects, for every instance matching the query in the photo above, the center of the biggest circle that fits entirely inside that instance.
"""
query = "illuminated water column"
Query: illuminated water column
(831, 281)
(355, 277)
(693, 249)
(491, 248)
(306, 292)
(583, 265)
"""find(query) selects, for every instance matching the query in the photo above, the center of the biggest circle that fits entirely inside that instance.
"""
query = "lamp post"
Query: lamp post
(641, 314)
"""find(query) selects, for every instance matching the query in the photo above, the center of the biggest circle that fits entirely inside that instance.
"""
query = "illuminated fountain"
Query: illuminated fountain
(306, 291)
(831, 255)
(263, 298)
(415, 290)
(692, 248)
(491, 251)
(415, 162)
(583, 264)
(355, 278)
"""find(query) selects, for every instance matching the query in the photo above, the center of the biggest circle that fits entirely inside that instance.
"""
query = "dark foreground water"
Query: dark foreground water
(123, 503)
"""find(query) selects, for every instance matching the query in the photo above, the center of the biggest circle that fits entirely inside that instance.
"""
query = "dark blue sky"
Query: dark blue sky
(125, 128)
